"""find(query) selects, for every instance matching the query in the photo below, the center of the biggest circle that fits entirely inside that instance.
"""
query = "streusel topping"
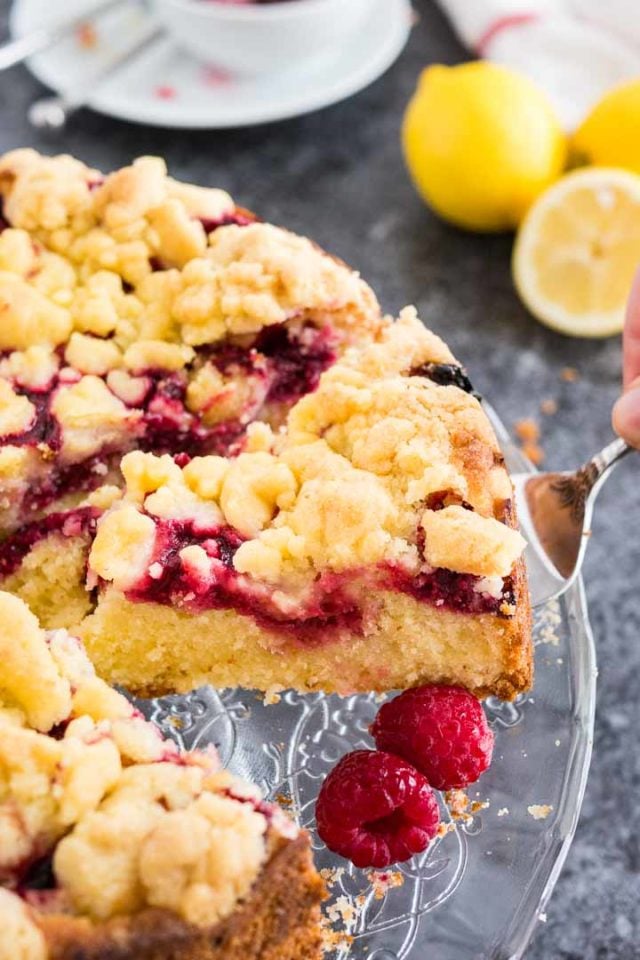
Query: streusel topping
(139, 312)
(128, 821)
(347, 483)
(138, 256)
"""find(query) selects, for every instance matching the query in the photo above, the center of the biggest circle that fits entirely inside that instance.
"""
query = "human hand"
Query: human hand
(626, 412)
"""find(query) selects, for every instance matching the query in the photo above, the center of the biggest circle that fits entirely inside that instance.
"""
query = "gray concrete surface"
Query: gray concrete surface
(338, 176)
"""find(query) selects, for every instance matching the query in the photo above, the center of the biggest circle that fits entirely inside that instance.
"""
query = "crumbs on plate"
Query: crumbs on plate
(528, 433)
(384, 880)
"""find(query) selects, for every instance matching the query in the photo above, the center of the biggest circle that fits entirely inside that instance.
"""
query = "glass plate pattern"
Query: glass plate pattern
(480, 889)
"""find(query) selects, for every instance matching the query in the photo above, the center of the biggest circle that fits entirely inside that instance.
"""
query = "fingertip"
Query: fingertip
(631, 336)
(626, 416)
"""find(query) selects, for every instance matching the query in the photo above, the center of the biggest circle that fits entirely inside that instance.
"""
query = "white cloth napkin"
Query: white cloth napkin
(574, 49)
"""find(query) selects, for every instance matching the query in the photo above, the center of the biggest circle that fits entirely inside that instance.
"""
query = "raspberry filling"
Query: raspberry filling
(281, 365)
(334, 600)
(240, 218)
(36, 876)
(69, 523)
(454, 591)
(171, 582)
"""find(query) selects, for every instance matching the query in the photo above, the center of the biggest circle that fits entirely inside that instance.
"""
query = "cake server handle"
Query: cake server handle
(19, 49)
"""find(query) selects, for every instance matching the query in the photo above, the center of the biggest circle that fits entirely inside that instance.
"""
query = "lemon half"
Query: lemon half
(577, 251)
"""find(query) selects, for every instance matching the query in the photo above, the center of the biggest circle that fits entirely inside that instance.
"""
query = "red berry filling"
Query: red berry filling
(329, 607)
(376, 809)
(37, 875)
(441, 730)
(70, 523)
(280, 366)
(333, 603)
(453, 591)
(240, 217)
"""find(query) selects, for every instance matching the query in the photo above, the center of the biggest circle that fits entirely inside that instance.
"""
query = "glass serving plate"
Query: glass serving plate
(481, 888)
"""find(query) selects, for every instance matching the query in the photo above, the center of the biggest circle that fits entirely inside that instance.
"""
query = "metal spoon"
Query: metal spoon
(17, 50)
(52, 113)
(555, 511)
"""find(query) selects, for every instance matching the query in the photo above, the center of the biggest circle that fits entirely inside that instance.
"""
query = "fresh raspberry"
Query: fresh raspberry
(441, 730)
(375, 809)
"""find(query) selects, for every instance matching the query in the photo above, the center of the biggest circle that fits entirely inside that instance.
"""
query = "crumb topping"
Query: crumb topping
(129, 822)
(346, 484)
(128, 256)
(139, 311)
(21, 938)
(466, 542)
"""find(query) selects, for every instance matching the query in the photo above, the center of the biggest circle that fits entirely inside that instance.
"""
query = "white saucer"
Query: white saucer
(166, 87)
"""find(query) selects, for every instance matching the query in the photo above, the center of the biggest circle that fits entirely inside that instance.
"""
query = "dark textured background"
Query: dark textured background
(338, 176)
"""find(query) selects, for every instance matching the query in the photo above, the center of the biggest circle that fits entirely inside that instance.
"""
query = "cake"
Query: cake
(220, 463)
(114, 844)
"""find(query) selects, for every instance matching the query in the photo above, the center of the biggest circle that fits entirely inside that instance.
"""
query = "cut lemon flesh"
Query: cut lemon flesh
(577, 251)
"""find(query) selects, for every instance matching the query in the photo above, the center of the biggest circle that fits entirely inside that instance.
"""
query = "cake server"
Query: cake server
(20, 48)
(555, 510)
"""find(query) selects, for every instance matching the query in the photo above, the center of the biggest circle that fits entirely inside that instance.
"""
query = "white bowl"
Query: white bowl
(260, 38)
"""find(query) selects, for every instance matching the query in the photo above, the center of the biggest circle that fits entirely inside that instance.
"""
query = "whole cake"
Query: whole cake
(221, 464)
(113, 844)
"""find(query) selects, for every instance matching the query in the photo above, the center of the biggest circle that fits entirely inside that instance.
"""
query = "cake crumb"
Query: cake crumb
(539, 811)
(445, 828)
(332, 875)
(461, 807)
(271, 697)
(569, 374)
(533, 452)
(176, 722)
(334, 940)
(458, 803)
(86, 36)
(384, 880)
(557, 743)
(342, 911)
(549, 406)
(528, 432)
(503, 812)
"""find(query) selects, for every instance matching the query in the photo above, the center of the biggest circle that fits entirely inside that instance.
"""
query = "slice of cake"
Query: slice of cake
(368, 545)
(115, 844)
(310, 496)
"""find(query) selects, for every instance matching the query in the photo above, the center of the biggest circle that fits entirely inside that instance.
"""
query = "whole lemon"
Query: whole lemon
(481, 143)
(610, 135)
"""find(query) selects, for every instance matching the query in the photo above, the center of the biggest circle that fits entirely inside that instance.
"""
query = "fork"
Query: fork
(20, 48)
(51, 113)
(555, 510)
